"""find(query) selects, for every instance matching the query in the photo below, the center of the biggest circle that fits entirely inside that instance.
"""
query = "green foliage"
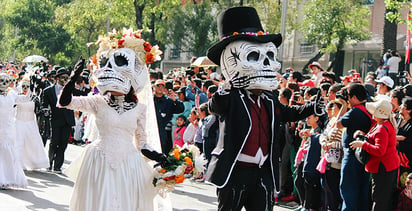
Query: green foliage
(393, 6)
(332, 23)
(35, 29)
(191, 27)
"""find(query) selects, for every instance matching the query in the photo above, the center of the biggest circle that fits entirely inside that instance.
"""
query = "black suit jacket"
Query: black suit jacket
(233, 109)
(59, 116)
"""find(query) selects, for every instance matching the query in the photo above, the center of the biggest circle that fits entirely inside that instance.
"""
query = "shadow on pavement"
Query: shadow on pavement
(36, 203)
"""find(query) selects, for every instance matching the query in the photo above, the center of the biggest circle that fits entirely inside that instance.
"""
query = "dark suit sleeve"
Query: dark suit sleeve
(178, 106)
(45, 102)
(293, 113)
(219, 102)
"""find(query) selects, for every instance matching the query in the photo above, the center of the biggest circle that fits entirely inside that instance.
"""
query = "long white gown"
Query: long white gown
(29, 144)
(111, 174)
(11, 172)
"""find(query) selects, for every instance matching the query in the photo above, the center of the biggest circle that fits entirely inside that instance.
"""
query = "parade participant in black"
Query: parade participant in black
(245, 162)
(62, 120)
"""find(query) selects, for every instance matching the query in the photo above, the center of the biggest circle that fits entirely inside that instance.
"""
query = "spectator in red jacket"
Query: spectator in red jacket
(383, 160)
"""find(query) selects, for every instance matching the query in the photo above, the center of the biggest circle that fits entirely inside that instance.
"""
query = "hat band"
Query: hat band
(259, 33)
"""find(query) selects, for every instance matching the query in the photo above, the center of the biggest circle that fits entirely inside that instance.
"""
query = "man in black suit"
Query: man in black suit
(62, 120)
(245, 163)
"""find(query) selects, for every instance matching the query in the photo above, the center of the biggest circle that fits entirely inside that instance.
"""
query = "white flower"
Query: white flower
(199, 163)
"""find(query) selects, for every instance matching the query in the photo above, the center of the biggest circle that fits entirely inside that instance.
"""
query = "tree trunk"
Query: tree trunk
(139, 14)
(389, 35)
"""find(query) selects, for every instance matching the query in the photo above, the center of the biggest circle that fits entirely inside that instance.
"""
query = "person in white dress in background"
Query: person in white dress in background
(111, 174)
(11, 172)
(29, 144)
(77, 128)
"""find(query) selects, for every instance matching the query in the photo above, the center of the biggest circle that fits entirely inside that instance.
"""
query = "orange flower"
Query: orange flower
(163, 171)
(188, 160)
(235, 33)
(260, 33)
(176, 152)
(94, 59)
(179, 179)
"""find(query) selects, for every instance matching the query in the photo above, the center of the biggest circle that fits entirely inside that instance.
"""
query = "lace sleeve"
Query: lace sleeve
(140, 138)
(87, 104)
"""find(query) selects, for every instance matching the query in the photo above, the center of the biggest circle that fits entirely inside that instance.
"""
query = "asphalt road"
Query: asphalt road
(49, 191)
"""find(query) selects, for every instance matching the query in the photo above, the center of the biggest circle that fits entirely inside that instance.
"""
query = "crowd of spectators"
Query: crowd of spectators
(319, 169)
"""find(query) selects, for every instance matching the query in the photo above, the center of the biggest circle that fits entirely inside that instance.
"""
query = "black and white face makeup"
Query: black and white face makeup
(62, 79)
(4, 82)
(256, 61)
(119, 70)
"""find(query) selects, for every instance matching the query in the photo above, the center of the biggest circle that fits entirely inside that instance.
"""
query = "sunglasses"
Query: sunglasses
(25, 86)
(160, 85)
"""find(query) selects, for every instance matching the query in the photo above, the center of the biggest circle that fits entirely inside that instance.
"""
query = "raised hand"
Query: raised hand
(319, 104)
(239, 82)
(78, 68)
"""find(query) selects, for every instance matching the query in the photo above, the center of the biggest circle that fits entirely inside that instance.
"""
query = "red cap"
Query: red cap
(308, 83)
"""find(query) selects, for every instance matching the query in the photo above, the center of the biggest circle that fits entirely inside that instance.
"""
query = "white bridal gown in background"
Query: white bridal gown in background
(29, 142)
(11, 172)
(111, 174)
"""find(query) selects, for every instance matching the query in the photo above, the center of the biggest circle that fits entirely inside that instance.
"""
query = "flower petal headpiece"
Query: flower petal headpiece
(128, 39)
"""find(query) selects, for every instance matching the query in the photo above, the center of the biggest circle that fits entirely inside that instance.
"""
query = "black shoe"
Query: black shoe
(57, 171)
(49, 169)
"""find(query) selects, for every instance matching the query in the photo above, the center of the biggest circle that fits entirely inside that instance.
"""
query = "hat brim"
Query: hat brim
(214, 52)
(314, 65)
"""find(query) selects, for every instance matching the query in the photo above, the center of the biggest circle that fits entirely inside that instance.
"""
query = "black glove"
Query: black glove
(158, 157)
(78, 69)
(66, 96)
(319, 104)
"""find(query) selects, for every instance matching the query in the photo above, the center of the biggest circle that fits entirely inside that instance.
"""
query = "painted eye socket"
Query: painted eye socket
(103, 61)
(120, 60)
(253, 56)
(271, 55)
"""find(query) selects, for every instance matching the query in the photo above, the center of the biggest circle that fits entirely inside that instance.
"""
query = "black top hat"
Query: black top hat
(61, 71)
(239, 23)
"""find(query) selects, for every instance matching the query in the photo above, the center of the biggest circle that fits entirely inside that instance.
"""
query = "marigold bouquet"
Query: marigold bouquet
(181, 163)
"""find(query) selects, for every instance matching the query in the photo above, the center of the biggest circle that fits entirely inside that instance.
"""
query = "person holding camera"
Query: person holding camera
(392, 64)
(354, 183)
(383, 163)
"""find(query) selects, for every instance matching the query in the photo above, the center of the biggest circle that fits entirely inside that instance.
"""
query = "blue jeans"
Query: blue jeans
(354, 183)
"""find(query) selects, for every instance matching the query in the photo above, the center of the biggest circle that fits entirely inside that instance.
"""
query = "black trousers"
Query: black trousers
(249, 187)
(332, 198)
(383, 189)
(58, 145)
(299, 183)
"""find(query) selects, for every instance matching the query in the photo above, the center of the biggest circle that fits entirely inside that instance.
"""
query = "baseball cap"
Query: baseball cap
(160, 82)
(317, 64)
(308, 83)
(386, 80)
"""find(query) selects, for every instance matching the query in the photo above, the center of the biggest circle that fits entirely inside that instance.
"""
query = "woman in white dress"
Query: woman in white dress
(29, 144)
(112, 174)
(11, 172)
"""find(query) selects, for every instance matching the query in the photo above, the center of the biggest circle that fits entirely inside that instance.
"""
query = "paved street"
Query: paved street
(48, 191)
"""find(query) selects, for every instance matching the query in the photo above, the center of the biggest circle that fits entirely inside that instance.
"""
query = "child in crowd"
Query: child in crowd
(179, 131)
(405, 199)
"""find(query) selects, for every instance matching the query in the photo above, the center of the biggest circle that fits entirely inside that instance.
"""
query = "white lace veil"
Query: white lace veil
(146, 98)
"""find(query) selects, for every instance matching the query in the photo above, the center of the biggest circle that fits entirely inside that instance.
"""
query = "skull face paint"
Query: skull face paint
(120, 70)
(255, 61)
(4, 82)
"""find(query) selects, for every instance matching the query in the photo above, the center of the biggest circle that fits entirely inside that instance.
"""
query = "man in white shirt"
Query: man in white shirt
(393, 65)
